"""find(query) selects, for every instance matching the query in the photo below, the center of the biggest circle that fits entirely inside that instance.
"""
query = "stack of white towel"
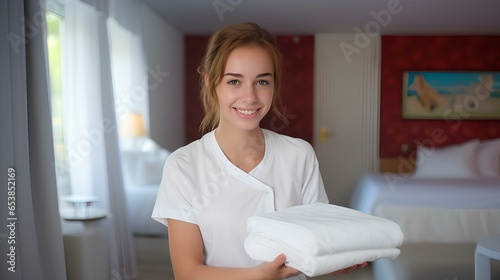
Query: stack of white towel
(321, 238)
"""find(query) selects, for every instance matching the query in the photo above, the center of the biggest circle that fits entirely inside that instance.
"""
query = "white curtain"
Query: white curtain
(130, 73)
(27, 148)
(90, 125)
(83, 120)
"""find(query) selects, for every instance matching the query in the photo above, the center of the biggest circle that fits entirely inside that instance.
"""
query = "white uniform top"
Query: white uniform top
(201, 186)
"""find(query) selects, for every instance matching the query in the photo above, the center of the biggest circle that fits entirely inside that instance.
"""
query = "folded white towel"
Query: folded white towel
(321, 238)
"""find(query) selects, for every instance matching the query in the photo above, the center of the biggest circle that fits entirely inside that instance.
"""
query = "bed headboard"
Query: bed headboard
(398, 164)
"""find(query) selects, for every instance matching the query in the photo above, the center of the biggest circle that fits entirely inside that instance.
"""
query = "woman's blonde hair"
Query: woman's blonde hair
(213, 64)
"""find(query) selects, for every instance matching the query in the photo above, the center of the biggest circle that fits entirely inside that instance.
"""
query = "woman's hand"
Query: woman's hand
(349, 269)
(277, 270)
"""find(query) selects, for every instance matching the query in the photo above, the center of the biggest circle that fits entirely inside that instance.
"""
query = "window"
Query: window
(55, 25)
(77, 79)
(81, 97)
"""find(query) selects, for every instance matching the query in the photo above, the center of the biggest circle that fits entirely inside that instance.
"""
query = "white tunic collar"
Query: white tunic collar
(239, 174)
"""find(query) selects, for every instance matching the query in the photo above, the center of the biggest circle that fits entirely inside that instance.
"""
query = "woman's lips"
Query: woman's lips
(246, 113)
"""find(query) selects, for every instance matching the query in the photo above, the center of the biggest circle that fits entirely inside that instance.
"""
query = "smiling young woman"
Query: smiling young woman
(237, 169)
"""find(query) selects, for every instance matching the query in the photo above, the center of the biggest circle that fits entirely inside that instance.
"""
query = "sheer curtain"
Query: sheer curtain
(27, 147)
(130, 73)
(90, 126)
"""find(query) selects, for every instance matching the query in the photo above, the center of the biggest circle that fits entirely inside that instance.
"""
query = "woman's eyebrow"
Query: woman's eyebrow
(264, 75)
(241, 75)
(234, 75)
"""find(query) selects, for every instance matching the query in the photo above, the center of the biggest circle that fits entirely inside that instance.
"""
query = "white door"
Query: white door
(346, 111)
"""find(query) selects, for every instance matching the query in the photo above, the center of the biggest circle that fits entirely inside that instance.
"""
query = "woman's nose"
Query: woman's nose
(249, 93)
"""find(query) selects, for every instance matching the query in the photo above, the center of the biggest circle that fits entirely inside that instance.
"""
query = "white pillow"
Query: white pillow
(150, 169)
(143, 167)
(488, 158)
(454, 161)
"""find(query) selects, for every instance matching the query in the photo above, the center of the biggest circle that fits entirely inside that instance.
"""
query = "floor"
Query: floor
(154, 262)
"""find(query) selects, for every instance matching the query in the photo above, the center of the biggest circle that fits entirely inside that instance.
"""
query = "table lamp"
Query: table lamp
(133, 130)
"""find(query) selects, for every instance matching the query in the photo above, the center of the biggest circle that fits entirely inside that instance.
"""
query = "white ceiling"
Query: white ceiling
(408, 17)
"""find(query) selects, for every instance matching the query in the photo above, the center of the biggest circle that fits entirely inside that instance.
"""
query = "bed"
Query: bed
(443, 207)
(142, 171)
(140, 202)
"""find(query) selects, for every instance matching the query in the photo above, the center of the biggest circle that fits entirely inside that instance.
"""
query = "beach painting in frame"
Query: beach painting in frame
(451, 95)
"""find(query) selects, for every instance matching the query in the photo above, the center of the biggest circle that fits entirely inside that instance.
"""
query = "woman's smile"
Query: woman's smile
(246, 113)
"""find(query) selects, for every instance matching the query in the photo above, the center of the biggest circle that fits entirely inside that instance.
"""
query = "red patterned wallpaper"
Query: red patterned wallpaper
(297, 86)
(404, 53)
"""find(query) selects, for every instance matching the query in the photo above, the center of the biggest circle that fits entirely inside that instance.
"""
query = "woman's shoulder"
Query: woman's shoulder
(287, 140)
(190, 153)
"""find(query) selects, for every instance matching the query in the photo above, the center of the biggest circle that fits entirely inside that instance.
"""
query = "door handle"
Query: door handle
(324, 134)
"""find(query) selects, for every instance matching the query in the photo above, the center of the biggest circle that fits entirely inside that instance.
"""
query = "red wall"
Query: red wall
(297, 86)
(404, 53)
(194, 51)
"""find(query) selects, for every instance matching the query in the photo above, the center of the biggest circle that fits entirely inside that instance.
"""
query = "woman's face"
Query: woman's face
(245, 92)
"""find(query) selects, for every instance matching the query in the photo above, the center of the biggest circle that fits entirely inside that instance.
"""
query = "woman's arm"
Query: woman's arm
(186, 252)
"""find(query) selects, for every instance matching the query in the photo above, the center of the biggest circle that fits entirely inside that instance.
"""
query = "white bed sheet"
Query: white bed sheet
(433, 210)
(441, 225)
(389, 189)
(140, 203)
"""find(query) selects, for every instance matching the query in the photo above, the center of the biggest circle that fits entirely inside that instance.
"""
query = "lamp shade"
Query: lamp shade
(132, 125)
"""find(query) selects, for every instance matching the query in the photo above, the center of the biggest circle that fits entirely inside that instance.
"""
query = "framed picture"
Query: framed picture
(451, 95)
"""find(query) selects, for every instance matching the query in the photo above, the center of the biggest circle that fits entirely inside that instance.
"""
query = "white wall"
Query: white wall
(164, 47)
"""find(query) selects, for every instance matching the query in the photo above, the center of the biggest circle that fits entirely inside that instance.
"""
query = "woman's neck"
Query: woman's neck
(245, 149)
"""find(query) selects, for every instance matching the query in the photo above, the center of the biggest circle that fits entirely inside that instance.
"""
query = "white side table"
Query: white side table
(487, 248)
(81, 208)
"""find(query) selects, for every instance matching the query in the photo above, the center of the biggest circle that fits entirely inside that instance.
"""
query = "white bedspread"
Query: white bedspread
(432, 210)
(140, 203)
(322, 238)
(392, 189)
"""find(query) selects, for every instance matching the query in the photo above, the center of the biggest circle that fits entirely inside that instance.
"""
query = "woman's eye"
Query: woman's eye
(263, 83)
(233, 82)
